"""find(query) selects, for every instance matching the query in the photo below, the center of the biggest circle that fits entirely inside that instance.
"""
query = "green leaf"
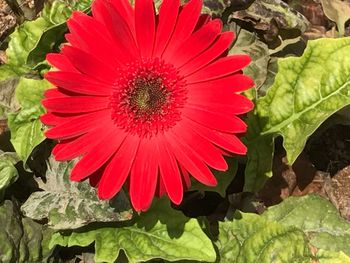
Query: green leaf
(317, 217)
(248, 43)
(69, 205)
(8, 84)
(260, 154)
(30, 42)
(224, 179)
(21, 240)
(285, 233)
(161, 232)
(306, 91)
(25, 126)
(324, 256)
(251, 238)
(8, 172)
(216, 7)
(271, 12)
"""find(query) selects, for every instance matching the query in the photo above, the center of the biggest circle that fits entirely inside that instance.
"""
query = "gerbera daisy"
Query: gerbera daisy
(146, 98)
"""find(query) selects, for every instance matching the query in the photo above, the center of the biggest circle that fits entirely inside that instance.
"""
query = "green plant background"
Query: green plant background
(305, 91)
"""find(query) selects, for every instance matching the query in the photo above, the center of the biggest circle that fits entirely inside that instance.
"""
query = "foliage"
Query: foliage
(294, 94)
(306, 91)
(286, 233)
(25, 126)
(69, 205)
(162, 232)
(21, 240)
(8, 172)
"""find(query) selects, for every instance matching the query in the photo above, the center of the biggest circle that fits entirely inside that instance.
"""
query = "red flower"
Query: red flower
(145, 96)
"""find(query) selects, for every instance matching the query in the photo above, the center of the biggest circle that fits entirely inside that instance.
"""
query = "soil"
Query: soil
(7, 20)
(323, 168)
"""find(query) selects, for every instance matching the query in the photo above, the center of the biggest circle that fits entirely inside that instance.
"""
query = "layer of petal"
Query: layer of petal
(144, 173)
(75, 126)
(76, 104)
(117, 25)
(127, 12)
(54, 93)
(185, 25)
(235, 108)
(191, 162)
(203, 148)
(78, 83)
(73, 148)
(185, 177)
(203, 19)
(145, 25)
(232, 83)
(215, 120)
(90, 65)
(220, 68)
(118, 169)
(85, 32)
(196, 43)
(170, 174)
(167, 20)
(98, 155)
(51, 119)
(229, 142)
(60, 62)
(213, 52)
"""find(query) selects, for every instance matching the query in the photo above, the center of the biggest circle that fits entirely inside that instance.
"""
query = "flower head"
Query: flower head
(146, 98)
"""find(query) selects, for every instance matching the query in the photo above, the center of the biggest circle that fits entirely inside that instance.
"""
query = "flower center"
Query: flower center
(147, 97)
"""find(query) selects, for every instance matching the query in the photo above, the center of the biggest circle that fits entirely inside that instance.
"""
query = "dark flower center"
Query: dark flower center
(148, 97)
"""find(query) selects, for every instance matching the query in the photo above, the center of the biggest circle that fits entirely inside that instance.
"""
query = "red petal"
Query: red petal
(220, 68)
(95, 177)
(170, 174)
(79, 83)
(76, 104)
(210, 95)
(196, 44)
(203, 19)
(127, 12)
(145, 26)
(215, 120)
(118, 169)
(118, 27)
(90, 65)
(98, 155)
(60, 62)
(232, 83)
(85, 32)
(167, 20)
(185, 177)
(185, 25)
(144, 173)
(241, 82)
(54, 93)
(234, 108)
(220, 102)
(202, 147)
(160, 190)
(226, 141)
(190, 161)
(71, 149)
(51, 119)
(75, 126)
(75, 41)
(209, 55)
